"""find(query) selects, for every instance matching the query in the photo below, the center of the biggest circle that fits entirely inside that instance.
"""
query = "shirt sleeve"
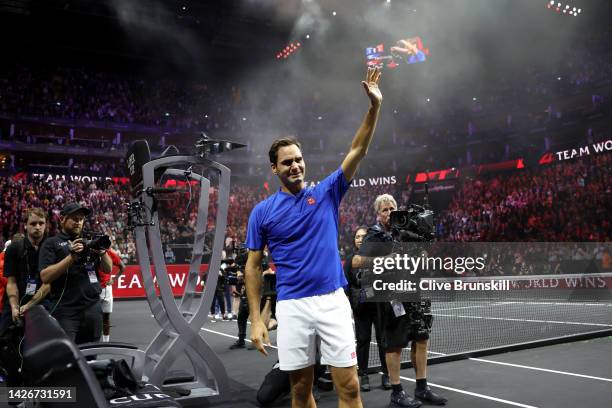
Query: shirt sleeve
(256, 240)
(348, 267)
(337, 185)
(46, 255)
(114, 257)
(11, 260)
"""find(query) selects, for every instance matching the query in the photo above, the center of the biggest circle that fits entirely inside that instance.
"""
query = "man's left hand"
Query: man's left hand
(371, 86)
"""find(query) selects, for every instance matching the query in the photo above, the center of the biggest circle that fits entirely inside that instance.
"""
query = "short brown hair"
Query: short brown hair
(39, 212)
(282, 142)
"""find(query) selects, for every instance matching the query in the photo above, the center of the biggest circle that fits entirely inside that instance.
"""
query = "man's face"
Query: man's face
(35, 227)
(290, 167)
(73, 224)
(384, 213)
(359, 236)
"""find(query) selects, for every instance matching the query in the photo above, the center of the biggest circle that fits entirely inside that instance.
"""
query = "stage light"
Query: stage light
(333, 13)
(428, 100)
(474, 99)
(307, 36)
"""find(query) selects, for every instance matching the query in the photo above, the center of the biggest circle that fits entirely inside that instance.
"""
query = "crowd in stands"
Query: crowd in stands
(514, 101)
(568, 201)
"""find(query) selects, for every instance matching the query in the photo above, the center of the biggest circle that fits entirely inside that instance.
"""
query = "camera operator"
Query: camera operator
(400, 329)
(69, 263)
(365, 314)
(24, 288)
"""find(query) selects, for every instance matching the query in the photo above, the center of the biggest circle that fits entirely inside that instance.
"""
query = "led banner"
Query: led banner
(47, 177)
(576, 152)
(129, 284)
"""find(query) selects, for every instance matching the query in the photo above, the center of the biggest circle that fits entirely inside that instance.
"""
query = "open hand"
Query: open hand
(371, 86)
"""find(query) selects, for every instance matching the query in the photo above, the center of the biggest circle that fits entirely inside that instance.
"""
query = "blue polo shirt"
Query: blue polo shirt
(301, 232)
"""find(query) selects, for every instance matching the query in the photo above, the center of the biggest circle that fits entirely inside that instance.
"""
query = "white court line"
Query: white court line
(469, 307)
(591, 377)
(524, 320)
(232, 337)
(542, 369)
(488, 397)
(516, 404)
(559, 303)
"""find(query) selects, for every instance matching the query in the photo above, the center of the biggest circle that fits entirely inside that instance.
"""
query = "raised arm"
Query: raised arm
(363, 137)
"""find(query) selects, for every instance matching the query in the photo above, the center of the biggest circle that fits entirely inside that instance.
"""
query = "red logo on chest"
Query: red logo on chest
(311, 201)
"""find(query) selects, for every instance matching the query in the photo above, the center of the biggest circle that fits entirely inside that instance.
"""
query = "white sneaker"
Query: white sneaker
(105, 339)
(230, 316)
(217, 316)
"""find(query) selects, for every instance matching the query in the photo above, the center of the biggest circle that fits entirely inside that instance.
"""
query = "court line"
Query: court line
(475, 394)
(559, 304)
(547, 370)
(233, 337)
(524, 320)
(591, 377)
(469, 307)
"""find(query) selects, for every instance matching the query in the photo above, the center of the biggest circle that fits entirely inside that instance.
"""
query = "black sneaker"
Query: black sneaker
(364, 383)
(238, 344)
(385, 381)
(401, 399)
(429, 396)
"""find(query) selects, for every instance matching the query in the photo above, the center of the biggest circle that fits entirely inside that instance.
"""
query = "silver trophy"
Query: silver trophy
(179, 321)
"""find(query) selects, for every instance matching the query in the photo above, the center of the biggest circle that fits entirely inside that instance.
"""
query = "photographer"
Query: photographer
(400, 329)
(24, 288)
(365, 314)
(69, 263)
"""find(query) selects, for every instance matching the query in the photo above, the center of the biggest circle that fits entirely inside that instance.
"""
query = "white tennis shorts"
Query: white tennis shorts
(325, 321)
(106, 299)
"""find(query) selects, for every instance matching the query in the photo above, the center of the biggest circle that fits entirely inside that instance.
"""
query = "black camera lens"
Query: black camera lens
(102, 242)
